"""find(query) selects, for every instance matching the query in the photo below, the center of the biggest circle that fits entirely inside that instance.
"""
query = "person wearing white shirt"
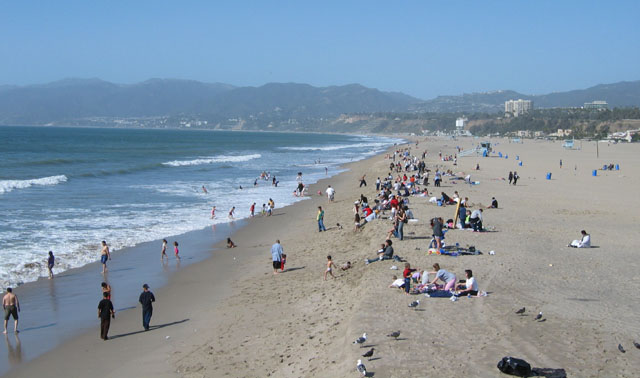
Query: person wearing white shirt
(330, 193)
(470, 287)
(585, 242)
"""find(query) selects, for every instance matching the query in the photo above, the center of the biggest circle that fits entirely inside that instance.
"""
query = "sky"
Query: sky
(422, 48)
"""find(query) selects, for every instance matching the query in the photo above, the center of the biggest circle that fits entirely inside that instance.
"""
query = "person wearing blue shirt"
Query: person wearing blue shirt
(276, 256)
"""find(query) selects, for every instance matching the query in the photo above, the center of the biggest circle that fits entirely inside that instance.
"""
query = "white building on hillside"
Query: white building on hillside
(517, 107)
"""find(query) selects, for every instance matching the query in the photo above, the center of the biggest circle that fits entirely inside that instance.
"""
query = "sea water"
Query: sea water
(67, 189)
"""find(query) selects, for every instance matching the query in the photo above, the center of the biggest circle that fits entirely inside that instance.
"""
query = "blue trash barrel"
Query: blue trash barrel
(517, 157)
(520, 163)
(506, 156)
(549, 176)
(617, 167)
(594, 173)
(500, 154)
(604, 167)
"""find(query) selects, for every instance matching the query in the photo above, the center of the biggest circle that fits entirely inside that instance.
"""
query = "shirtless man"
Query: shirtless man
(104, 256)
(11, 307)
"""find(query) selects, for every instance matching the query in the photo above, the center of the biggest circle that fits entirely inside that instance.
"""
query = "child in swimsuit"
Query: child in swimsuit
(329, 265)
(175, 249)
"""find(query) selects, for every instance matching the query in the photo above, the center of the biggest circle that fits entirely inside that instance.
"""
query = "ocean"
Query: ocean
(67, 189)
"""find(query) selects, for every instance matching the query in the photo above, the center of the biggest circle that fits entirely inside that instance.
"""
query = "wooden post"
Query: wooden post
(455, 219)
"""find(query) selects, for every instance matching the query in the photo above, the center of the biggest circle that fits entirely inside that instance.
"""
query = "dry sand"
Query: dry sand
(242, 321)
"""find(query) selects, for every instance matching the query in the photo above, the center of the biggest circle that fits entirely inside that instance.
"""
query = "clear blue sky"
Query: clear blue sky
(423, 48)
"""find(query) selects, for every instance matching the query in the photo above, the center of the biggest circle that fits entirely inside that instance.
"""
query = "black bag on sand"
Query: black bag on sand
(515, 366)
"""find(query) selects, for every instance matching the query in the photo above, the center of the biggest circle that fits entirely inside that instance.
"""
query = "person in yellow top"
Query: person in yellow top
(320, 219)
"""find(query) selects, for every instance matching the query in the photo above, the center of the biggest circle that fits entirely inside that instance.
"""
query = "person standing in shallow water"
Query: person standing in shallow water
(11, 307)
(146, 300)
(104, 256)
(51, 261)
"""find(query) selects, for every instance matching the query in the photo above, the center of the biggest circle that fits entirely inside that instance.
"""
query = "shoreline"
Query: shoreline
(34, 290)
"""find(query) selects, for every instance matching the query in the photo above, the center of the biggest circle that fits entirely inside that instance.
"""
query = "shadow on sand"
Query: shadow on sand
(151, 328)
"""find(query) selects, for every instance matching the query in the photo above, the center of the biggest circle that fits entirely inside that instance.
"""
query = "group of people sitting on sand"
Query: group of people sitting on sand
(443, 284)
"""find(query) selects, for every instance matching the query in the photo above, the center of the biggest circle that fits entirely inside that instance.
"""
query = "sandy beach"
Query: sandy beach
(230, 316)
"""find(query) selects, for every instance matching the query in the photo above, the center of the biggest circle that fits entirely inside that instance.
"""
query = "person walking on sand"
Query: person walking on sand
(276, 256)
(362, 181)
(330, 193)
(11, 307)
(176, 250)
(164, 250)
(51, 261)
(106, 289)
(510, 177)
(105, 313)
(515, 177)
(330, 265)
(146, 300)
(104, 256)
(320, 219)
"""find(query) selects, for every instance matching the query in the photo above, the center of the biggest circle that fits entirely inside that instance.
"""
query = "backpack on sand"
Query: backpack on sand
(514, 366)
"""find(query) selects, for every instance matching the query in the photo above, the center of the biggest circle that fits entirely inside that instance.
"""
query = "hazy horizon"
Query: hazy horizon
(423, 49)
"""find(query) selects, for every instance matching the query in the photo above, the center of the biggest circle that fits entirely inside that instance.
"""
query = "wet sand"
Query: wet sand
(233, 317)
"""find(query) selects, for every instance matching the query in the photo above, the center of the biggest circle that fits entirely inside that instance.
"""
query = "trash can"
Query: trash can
(506, 156)
(500, 154)
(617, 167)
(548, 175)
(594, 173)
(520, 163)
(604, 167)
(517, 157)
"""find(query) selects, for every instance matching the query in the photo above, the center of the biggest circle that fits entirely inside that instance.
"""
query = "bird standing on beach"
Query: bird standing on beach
(621, 349)
(369, 353)
(521, 311)
(362, 339)
(361, 368)
(394, 334)
(636, 345)
(539, 316)
(414, 304)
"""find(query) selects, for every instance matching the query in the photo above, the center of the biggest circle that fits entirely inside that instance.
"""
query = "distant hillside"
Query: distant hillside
(622, 94)
(73, 99)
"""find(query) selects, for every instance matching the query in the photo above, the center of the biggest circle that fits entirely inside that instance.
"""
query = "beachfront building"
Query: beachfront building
(596, 105)
(517, 107)
(461, 122)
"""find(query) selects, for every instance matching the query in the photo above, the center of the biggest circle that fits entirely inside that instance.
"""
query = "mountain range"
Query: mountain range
(70, 100)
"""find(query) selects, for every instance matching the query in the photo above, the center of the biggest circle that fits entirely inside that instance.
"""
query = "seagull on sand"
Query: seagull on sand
(521, 311)
(636, 345)
(621, 349)
(361, 368)
(539, 316)
(414, 304)
(362, 339)
(369, 353)
(395, 334)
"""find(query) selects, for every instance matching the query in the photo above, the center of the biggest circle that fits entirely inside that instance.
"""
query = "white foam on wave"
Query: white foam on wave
(9, 185)
(335, 147)
(212, 159)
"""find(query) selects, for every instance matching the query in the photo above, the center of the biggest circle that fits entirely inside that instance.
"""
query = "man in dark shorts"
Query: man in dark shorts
(11, 307)
(146, 299)
(105, 313)
(276, 256)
